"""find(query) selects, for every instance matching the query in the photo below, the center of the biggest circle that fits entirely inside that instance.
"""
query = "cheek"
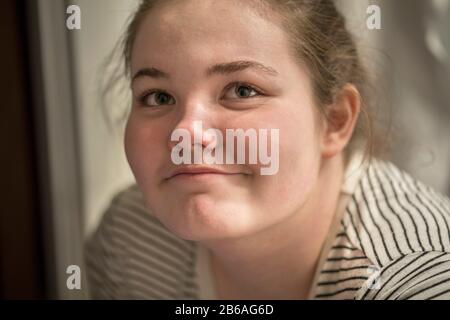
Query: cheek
(144, 149)
(299, 160)
(300, 150)
(134, 138)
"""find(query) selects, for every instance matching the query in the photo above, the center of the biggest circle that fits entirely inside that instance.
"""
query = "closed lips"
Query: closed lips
(200, 170)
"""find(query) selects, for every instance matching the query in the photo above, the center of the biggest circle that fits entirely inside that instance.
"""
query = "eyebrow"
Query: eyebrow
(151, 73)
(235, 66)
(221, 68)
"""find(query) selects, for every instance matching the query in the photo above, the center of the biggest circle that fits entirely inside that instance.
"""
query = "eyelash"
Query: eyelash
(143, 97)
(243, 84)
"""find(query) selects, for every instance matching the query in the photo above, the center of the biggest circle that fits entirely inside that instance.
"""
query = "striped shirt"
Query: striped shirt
(390, 240)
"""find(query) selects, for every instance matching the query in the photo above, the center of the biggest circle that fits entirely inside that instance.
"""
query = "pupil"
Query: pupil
(162, 98)
(243, 91)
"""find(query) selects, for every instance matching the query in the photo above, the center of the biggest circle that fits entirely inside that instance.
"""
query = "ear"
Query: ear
(341, 120)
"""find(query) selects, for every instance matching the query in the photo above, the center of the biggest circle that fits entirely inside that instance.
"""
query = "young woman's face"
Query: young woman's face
(185, 40)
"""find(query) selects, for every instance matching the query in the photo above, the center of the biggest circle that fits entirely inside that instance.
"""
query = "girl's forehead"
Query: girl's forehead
(201, 19)
(209, 31)
(170, 9)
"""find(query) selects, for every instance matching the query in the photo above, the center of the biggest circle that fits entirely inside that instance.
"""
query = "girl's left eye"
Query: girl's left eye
(241, 91)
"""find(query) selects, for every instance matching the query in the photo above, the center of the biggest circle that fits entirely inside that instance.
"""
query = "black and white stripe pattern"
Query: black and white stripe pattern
(393, 242)
(396, 230)
(132, 256)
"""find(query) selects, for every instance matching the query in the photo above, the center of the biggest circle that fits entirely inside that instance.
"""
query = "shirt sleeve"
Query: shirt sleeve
(417, 276)
(103, 260)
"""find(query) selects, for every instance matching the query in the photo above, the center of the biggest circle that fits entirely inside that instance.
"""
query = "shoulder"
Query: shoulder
(130, 243)
(403, 228)
(417, 276)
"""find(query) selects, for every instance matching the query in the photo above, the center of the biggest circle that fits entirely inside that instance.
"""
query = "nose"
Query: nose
(193, 124)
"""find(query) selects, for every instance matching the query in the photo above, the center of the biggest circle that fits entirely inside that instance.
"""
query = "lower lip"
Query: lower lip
(201, 176)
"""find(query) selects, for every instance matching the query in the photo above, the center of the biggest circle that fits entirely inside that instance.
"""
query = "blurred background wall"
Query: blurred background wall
(104, 167)
(416, 39)
(80, 163)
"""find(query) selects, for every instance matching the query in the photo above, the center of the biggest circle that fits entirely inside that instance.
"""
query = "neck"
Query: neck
(280, 262)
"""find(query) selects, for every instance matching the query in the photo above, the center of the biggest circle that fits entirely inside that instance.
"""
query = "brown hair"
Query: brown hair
(321, 41)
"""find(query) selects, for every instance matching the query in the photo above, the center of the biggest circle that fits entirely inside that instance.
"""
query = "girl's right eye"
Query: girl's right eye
(156, 98)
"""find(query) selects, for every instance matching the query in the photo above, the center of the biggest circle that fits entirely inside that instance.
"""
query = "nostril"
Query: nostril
(210, 137)
(193, 133)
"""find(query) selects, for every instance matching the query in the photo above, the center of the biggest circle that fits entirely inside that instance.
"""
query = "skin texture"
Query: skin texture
(272, 227)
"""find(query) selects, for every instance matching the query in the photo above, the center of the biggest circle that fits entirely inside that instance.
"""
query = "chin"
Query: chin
(202, 218)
